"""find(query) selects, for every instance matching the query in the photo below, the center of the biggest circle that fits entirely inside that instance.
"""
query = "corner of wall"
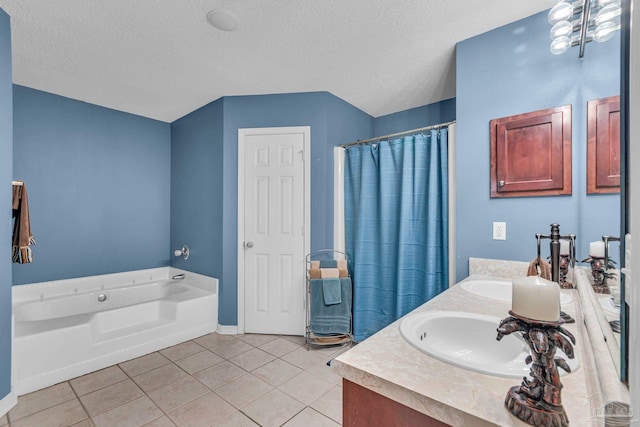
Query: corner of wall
(6, 175)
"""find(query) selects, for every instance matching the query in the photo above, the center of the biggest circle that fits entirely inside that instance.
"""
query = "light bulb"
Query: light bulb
(602, 3)
(605, 31)
(560, 45)
(560, 12)
(610, 12)
(562, 28)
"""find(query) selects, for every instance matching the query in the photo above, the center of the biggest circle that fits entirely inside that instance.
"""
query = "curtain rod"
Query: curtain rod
(407, 132)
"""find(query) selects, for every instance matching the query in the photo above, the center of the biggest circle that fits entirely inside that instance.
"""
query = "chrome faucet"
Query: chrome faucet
(606, 240)
(554, 246)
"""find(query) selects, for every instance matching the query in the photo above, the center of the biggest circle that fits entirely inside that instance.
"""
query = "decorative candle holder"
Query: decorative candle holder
(600, 274)
(565, 263)
(537, 401)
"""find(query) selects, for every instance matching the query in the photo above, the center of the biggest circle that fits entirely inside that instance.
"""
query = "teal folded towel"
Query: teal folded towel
(329, 264)
(330, 319)
(331, 291)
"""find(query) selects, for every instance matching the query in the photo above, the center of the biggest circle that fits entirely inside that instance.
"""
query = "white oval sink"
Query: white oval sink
(468, 340)
(498, 289)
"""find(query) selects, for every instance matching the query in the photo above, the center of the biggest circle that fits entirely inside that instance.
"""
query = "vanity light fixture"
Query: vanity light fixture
(579, 22)
(222, 20)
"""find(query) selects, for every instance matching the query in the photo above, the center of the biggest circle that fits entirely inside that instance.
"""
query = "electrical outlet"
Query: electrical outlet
(499, 231)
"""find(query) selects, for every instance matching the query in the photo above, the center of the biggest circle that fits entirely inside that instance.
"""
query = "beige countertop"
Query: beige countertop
(388, 365)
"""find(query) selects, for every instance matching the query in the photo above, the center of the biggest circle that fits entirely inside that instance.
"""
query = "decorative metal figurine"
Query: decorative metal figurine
(537, 401)
(600, 274)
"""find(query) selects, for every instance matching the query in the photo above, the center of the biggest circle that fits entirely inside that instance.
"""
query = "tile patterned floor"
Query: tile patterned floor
(214, 380)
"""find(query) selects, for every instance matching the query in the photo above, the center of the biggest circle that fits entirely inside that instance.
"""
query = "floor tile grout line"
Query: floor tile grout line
(206, 386)
(174, 361)
(321, 358)
(320, 413)
(139, 357)
(294, 415)
(152, 401)
(128, 377)
(43, 409)
(247, 415)
(81, 403)
(230, 403)
(90, 373)
(103, 388)
(77, 396)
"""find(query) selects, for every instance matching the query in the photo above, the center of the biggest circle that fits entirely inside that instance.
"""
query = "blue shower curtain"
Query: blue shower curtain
(396, 226)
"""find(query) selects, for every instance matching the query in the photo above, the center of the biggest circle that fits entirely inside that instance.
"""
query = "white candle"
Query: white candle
(596, 249)
(536, 298)
(564, 247)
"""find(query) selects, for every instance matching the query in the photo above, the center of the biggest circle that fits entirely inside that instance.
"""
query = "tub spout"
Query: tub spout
(178, 277)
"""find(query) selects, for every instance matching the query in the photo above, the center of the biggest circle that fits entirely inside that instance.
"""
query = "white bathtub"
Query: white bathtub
(67, 328)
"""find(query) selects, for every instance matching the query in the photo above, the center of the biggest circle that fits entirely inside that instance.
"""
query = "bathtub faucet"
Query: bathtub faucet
(183, 252)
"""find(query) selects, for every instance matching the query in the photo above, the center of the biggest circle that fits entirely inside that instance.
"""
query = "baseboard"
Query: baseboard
(8, 402)
(227, 329)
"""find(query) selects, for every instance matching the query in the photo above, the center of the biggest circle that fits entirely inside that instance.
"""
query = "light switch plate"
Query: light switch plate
(499, 231)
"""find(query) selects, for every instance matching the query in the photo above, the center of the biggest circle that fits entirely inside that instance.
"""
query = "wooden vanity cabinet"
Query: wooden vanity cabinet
(362, 407)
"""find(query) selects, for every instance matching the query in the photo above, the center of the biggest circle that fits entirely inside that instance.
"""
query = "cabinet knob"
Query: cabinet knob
(500, 183)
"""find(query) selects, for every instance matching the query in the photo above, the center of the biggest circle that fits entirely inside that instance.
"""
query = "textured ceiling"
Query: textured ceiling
(161, 59)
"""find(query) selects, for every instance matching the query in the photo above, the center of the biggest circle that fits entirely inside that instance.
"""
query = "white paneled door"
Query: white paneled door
(273, 229)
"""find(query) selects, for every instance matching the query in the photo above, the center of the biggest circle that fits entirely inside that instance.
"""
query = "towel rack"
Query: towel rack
(329, 339)
(18, 183)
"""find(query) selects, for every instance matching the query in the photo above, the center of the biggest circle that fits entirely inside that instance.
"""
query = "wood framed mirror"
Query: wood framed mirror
(603, 145)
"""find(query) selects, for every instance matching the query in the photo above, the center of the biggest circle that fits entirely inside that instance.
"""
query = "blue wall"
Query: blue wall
(99, 186)
(197, 188)
(134, 189)
(301, 109)
(427, 115)
(510, 71)
(6, 173)
(204, 183)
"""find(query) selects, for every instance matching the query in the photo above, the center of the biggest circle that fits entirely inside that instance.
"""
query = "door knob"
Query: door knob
(248, 245)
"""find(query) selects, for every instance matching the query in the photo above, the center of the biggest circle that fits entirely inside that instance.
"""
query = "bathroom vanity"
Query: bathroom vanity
(387, 381)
